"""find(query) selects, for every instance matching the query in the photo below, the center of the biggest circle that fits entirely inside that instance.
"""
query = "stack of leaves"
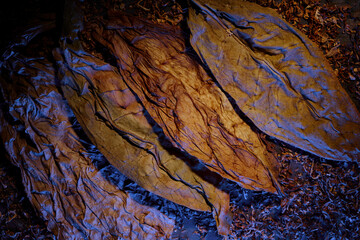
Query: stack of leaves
(178, 125)
(63, 174)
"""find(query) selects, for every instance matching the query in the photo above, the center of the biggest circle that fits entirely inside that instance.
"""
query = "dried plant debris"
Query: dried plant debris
(319, 204)
(18, 220)
(161, 11)
(321, 197)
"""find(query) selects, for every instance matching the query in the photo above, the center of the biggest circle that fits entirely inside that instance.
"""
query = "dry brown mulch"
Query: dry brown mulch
(18, 220)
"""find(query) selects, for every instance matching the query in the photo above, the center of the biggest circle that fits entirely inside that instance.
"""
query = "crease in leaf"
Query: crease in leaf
(125, 131)
(60, 177)
(193, 112)
(277, 77)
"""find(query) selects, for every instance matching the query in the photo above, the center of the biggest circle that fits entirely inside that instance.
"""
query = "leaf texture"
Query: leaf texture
(118, 125)
(277, 77)
(188, 106)
(61, 179)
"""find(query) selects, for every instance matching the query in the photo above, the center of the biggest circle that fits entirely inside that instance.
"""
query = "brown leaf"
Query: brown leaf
(278, 78)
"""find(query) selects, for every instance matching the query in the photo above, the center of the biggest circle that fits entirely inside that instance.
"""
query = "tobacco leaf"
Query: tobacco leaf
(118, 125)
(277, 77)
(191, 110)
(59, 173)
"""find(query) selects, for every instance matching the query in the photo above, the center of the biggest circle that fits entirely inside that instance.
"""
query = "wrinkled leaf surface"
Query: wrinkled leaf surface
(117, 124)
(277, 77)
(60, 178)
(191, 110)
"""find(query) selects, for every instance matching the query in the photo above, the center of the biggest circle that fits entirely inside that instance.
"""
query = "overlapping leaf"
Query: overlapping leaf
(60, 178)
(192, 111)
(277, 77)
(120, 127)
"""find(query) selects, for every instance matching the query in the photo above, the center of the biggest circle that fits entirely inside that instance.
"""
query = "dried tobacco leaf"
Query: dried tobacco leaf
(116, 123)
(277, 77)
(62, 182)
(119, 126)
(192, 111)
